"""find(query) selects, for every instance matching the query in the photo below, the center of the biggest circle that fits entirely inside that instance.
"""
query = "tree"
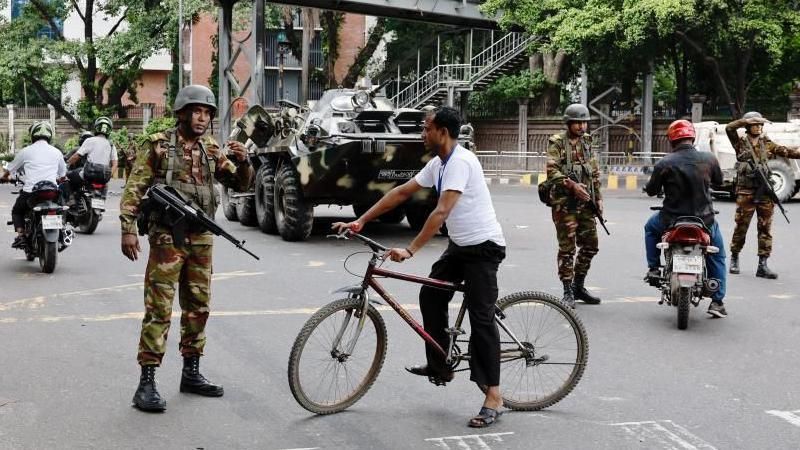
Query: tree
(107, 64)
(728, 45)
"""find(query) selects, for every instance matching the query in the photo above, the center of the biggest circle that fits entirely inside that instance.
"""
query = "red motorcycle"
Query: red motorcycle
(684, 280)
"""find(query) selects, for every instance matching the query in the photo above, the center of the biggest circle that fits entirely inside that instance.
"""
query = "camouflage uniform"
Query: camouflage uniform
(187, 263)
(573, 219)
(748, 198)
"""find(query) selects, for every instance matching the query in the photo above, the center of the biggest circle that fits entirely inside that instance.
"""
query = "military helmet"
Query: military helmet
(103, 125)
(195, 94)
(680, 129)
(576, 112)
(84, 136)
(41, 130)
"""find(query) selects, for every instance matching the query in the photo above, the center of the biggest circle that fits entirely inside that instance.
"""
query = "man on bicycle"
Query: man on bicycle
(473, 255)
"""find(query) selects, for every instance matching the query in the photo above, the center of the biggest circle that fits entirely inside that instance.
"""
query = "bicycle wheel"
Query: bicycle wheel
(554, 355)
(323, 377)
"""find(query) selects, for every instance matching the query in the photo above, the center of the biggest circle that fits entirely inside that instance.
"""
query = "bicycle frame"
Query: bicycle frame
(370, 282)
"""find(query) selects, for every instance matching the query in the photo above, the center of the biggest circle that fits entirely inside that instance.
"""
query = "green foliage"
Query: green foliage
(723, 47)
(107, 66)
(153, 127)
(512, 87)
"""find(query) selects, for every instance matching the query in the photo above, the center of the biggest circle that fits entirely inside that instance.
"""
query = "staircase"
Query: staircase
(503, 57)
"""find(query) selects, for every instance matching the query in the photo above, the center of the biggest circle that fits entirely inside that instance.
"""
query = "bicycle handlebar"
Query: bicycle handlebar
(367, 241)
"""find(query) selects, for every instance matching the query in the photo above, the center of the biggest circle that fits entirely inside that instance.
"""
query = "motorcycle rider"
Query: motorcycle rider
(98, 150)
(686, 176)
(39, 161)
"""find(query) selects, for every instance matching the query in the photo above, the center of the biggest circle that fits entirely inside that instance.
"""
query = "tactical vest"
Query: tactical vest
(745, 175)
(171, 170)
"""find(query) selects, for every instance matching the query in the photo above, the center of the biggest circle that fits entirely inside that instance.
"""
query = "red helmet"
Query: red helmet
(680, 129)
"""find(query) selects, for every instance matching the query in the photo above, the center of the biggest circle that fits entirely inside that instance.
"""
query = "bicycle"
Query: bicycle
(340, 350)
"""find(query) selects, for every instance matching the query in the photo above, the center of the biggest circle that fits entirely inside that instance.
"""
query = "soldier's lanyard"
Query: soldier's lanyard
(441, 170)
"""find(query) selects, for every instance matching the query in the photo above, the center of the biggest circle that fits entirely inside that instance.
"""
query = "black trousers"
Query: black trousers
(476, 266)
(20, 209)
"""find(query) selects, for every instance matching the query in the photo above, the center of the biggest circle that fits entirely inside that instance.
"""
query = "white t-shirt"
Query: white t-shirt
(39, 161)
(98, 150)
(472, 220)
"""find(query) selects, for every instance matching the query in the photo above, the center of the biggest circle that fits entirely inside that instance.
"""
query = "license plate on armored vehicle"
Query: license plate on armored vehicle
(98, 203)
(52, 223)
(687, 264)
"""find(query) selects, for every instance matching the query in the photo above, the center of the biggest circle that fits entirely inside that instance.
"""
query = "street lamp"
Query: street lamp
(283, 49)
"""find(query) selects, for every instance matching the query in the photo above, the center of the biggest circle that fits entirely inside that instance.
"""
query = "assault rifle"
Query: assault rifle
(763, 175)
(592, 204)
(177, 212)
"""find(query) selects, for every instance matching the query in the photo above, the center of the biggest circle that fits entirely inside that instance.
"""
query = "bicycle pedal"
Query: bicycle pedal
(437, 381)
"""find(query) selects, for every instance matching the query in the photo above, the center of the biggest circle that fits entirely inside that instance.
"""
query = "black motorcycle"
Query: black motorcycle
(46, 233)
(89, 199)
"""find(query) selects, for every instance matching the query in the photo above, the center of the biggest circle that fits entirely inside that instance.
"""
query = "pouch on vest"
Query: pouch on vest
(544, 189)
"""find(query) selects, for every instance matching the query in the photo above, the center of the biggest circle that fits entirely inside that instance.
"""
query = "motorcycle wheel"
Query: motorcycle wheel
(683, 301)
(47, 257)
(90, 225)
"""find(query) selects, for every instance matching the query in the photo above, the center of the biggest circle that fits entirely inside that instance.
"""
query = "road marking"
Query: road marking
(666, 433)
(792, 417)
(38, 302)
(470, 441)
(138, 315)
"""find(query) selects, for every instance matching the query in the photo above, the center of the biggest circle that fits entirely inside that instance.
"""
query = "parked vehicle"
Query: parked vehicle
(785, 173)
(684, 278)
(349, 148)
(46, 233)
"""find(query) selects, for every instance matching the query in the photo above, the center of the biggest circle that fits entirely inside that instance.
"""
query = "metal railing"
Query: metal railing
(503, 164)
(463, 75)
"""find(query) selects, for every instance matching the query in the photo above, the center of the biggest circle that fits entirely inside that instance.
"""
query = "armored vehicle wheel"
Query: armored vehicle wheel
(228, 208)
(394, 216)
(293, 215)
(782, 179)
(246, 211)
(265, 198)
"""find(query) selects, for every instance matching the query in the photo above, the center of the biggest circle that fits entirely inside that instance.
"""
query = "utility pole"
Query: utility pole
(180, 44)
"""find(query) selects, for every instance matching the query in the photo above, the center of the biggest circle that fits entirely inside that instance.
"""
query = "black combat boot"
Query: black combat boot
(734, 263)
(569, 297)
(763, 270)
(580, 292)
(147, 397)
(193, 382)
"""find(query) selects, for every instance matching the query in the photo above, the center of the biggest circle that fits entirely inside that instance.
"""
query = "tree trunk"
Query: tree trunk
(330, 22)
(553, 64)
(366, 52)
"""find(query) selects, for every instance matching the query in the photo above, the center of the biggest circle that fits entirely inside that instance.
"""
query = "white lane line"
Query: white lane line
(38, 302)
(468, 442)
(138, 315)
(665, 434)
(793, 417)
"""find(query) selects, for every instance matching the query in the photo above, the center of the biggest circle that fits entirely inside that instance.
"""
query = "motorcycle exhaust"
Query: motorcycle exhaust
(66, 241)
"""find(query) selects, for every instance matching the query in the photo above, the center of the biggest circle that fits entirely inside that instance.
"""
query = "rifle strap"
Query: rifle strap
(171, 156)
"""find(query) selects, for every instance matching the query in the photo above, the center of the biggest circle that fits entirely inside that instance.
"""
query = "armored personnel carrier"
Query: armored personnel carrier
(348, 148)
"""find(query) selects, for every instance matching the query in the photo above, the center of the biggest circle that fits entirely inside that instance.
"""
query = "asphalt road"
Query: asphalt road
(68, 368)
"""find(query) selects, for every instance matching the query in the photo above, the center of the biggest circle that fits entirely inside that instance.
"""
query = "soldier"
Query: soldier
(181, 157)
(573, 172)
(750, 195)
